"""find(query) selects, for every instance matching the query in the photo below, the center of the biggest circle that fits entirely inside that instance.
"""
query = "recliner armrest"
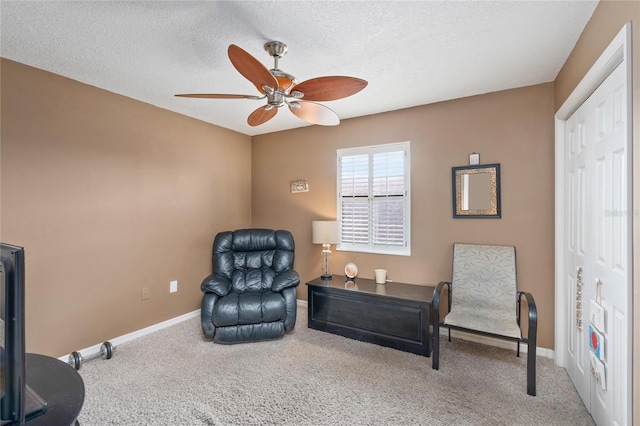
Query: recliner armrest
(217, 284)
(285, 280)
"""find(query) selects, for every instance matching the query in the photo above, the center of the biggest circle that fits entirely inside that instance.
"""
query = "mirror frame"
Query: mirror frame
(493, 212)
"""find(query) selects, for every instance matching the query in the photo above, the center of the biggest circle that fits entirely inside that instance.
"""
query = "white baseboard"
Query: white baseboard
(95, 349)
(485, 340)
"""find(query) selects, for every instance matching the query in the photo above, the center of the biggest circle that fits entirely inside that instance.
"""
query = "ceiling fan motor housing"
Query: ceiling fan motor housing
(285, 81)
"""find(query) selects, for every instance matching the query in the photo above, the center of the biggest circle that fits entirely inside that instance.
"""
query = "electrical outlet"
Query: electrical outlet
(144, 293)
(173, 286)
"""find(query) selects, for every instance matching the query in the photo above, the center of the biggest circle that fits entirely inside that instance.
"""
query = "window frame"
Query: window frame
(370, 151)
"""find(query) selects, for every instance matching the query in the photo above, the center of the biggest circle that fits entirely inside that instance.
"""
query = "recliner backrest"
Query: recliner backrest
(251, 258)
(484, 277)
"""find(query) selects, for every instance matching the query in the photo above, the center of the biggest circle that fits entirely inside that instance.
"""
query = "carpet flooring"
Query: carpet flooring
(175, 377)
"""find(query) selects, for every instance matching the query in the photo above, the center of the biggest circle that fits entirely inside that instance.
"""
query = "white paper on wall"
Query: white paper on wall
(596, 315)
(598, 371)
(596, 342)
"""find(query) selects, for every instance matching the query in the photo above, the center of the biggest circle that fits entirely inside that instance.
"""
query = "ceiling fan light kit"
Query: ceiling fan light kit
(280, 88)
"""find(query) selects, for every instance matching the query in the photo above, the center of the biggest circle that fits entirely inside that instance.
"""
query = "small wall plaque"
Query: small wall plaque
(474, 159)
(299, 185)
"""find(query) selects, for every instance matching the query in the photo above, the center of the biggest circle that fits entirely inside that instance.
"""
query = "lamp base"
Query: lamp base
(325, 270)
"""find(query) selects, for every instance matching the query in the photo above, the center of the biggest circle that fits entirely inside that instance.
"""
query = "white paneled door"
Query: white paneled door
(597, 251)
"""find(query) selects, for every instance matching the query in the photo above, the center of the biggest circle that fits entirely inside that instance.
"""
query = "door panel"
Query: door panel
(598, 206)
(613, 269)
(576, 247)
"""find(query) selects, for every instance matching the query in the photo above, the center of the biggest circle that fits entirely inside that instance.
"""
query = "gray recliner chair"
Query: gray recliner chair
(251, 294)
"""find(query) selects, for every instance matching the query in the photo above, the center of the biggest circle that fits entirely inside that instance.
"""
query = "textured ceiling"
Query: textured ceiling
(411, 52)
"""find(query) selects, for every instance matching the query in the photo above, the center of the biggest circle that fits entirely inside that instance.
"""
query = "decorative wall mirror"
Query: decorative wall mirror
(476, 191)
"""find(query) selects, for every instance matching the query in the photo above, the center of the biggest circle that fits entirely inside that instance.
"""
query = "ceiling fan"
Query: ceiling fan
(280, 88)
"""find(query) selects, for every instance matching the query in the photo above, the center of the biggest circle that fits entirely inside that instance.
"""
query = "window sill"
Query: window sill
(397, 252)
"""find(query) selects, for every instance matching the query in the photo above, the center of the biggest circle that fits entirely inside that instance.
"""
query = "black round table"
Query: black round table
(59, 385)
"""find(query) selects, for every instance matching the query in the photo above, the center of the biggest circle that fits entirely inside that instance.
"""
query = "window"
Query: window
(374, 208)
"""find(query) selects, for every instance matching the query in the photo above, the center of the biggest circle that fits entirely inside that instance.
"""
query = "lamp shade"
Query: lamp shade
(325, 231)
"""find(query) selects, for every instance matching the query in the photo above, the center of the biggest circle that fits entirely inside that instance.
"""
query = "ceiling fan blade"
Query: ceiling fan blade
(251, 68)
(261, 116)
(216, 96)
(314, 113)
(330, 88)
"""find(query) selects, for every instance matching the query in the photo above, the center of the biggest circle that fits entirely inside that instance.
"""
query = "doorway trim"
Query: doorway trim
(618, 52)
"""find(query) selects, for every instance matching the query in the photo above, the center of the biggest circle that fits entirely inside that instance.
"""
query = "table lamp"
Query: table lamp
(325, 232)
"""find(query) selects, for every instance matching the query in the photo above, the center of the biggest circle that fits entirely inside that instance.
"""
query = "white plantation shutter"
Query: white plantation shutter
(388, 199)
(373, 199)
(354, 190)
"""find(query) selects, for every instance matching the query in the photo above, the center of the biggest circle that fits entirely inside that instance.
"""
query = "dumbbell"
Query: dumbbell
(106, 352)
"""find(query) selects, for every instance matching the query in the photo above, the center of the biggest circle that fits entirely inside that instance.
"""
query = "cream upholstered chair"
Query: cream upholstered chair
(483, 299)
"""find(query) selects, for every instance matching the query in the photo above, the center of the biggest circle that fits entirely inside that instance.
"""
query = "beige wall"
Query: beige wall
(607, 20)
(513, 128)
(109, 195)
